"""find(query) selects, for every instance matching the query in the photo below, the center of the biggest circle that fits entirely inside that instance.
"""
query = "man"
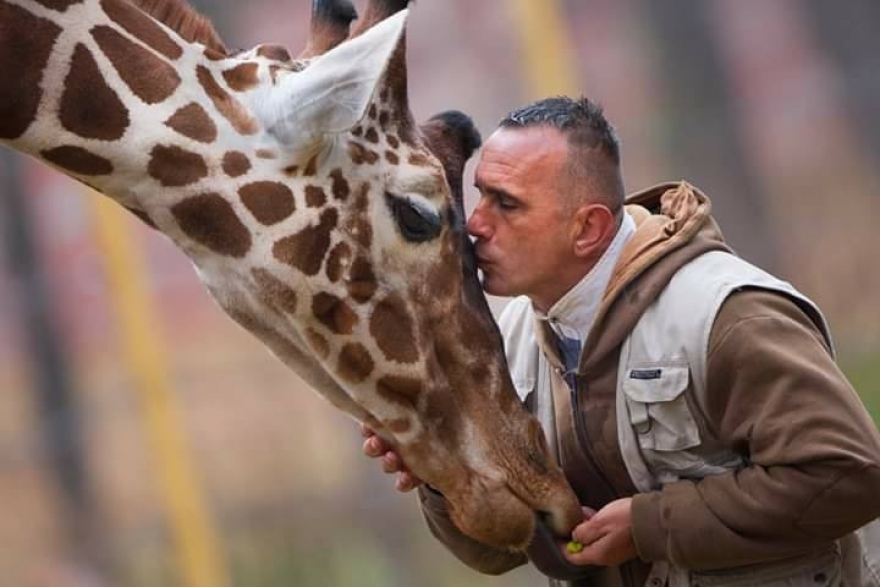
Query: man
(692, 399)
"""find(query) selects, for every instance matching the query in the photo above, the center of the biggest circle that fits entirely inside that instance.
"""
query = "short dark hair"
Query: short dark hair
(589, 134)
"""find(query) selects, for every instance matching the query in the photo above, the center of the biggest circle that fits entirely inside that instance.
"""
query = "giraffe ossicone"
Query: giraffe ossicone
(319, 215)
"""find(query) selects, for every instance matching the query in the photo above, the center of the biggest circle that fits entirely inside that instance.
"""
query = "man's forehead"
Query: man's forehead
(528, 140)
(524, 146)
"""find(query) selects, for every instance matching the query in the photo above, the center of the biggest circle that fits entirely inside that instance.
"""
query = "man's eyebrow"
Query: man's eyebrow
(494, 192)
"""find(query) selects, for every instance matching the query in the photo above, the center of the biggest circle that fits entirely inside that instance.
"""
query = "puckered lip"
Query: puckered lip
(482, 261)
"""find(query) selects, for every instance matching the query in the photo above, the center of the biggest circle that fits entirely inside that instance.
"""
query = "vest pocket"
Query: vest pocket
(658, 408)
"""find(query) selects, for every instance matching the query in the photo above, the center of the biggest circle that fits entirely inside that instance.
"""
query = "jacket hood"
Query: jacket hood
(673, 226)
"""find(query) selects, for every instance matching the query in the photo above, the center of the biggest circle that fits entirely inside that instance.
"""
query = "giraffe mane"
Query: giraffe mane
(186, 20)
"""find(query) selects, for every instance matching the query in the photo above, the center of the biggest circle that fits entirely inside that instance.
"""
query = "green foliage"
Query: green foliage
(864, 374)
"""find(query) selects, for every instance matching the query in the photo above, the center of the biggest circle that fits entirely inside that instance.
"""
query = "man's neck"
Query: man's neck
(573, 311)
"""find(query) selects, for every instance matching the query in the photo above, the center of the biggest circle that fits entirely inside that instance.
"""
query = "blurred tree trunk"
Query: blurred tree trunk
(60, 435)
(704, 144)
(847, 32)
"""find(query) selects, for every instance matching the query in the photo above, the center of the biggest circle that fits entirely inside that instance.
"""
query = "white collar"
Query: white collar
(573, 314)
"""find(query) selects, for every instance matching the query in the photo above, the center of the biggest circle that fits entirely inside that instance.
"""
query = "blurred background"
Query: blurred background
(146, 440)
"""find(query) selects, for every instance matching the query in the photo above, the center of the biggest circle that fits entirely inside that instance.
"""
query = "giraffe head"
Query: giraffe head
(321, 217)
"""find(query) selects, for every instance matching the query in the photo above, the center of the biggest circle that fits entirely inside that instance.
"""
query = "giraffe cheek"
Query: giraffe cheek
(355, 363)
(393, 328)
(209, 220)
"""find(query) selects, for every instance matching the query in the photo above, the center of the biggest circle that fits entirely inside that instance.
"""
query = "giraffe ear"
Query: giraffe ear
(332, 94)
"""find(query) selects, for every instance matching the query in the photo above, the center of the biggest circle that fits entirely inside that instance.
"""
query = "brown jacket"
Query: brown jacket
(775, 396)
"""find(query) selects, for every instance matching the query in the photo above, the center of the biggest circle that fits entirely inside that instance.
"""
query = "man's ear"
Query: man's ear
(332, 94)
(592, 229)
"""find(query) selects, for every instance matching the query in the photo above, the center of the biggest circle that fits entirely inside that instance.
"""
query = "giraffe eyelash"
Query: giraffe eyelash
(417, 221)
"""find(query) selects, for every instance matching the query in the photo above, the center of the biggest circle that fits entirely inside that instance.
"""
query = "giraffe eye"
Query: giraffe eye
(418, 222)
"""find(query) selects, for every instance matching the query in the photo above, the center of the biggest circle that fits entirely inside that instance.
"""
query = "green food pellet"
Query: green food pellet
(574, 547)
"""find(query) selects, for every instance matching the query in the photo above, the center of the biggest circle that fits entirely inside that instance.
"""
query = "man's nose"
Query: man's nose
(478, 225)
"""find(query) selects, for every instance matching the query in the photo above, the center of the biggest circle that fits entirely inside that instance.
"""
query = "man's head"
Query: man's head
(551, 198)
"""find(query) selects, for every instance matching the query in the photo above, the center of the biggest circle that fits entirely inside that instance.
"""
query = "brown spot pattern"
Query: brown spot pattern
(229, 107)
(399, 425)
(359, 225)
(89, 107)
(337, 261)
(209, 220)
(357, 131)
(315, 196)
(334, 313)
(384, 118)
(214, 54)
(373, 112)
(192, 121)
(274, 291)
(242, 77)
(270, 202)
(235, 163)
(419, 159)
(340, 187)
(403, 391)
(275, 52)
(175, 167)
(392, 157)
(355, 362)
(141, 26)
(306, 249)
(148, 77)
(318, 342)
(78, 160)
(25, 45)
(361, 283)
(59, 5)
(360, 154)
(392, 141)
(393, 329)
(371, 135)
(265, 154)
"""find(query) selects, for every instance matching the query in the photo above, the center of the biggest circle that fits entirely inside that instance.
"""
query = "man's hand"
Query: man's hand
(375, 447)
(606, 536)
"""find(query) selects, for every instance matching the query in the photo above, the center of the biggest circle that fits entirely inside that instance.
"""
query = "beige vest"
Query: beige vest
(659, 437)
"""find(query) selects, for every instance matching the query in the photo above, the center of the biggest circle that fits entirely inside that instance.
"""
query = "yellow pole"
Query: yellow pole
(547, 48)
(200, 560)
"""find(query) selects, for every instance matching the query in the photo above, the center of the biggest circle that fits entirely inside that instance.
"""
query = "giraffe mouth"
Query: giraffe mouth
(544, 552)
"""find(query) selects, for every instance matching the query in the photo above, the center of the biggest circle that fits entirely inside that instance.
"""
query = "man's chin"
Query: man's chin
(492, 287)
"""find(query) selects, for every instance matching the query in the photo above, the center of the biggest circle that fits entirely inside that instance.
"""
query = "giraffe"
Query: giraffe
(317, 213)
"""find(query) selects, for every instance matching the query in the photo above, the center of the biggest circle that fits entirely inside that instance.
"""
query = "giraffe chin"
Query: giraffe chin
(500, 515)
(493, 516)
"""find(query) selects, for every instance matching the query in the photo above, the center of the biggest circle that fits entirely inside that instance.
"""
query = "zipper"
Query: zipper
(581, 435)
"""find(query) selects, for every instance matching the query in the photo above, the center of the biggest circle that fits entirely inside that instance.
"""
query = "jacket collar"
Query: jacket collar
(572, 316)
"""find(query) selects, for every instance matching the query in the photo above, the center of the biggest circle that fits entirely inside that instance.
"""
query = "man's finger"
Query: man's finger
(391, 462)
(592, 554)
(587, 532)
(374, 447)
(406, 482)
(366, 431)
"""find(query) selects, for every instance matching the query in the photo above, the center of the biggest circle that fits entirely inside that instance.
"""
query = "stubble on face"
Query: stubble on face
(528, 241)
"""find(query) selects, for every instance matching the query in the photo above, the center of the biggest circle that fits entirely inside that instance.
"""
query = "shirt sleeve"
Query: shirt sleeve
(776, 396)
